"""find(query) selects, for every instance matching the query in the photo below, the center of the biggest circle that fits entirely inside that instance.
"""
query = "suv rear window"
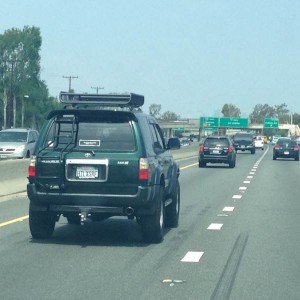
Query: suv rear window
(97, 135)
(243, 137)
(216, 142)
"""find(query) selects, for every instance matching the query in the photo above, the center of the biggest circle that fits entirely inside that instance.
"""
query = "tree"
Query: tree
(170, 116)
(282, 113)
(154, 110)
(260, 112)
(20, 73)
(230, 110)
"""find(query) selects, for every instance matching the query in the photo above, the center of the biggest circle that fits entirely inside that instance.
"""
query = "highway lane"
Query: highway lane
(237, 239)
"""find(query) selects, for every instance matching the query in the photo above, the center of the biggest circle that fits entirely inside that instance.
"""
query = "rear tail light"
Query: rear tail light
(31, 168)
(201, 149)
(296, 147)
(144, 171)
(276, 147)
(230, 149)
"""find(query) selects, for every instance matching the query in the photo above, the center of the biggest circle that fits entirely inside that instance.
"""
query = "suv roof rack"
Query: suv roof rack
(112, 100)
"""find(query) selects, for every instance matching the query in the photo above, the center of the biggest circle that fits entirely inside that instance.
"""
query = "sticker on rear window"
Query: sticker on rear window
(89, 143)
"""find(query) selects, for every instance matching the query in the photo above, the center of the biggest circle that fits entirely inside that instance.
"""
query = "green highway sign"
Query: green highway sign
(271, 123)
(234, 122)
(208, 122)
(210, 128)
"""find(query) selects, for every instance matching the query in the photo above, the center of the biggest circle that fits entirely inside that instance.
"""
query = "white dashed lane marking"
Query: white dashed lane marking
(236, 196)
(215, 226)
(228, 208)
(192, 256)
(247, 181)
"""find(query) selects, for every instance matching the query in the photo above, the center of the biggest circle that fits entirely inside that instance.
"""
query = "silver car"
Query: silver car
(17, 142)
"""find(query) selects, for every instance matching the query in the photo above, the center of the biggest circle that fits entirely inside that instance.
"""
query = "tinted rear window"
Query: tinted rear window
(96, 135)
(243, 137)
(289, 143)
(216, 143)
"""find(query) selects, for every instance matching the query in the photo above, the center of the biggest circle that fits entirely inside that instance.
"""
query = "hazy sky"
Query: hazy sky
(190, 56)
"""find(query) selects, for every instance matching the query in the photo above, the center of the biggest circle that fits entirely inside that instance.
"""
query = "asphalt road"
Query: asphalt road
(237, 239)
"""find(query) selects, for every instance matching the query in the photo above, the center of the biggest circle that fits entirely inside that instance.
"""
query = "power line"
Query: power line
(70, 81)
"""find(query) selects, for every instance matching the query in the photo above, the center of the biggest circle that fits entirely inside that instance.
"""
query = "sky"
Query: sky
(189, 56)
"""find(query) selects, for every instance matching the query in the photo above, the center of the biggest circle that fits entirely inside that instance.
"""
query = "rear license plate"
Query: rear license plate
(216, 152)
(87, 172)
(286, 152)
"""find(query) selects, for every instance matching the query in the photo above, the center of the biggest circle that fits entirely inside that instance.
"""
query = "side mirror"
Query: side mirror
(173, 144)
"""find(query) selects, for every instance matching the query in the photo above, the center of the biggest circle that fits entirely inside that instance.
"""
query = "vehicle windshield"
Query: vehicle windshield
(13, 136)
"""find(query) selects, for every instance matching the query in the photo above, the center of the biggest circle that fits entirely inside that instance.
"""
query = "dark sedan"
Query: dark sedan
(286, 148)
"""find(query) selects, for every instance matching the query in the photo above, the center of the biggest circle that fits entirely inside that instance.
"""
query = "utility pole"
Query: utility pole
(97, 88)
(70, 81)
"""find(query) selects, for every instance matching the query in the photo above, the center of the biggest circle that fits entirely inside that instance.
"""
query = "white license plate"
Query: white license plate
(243, 146)
(286, 152)
(86, 173)
(216, 152)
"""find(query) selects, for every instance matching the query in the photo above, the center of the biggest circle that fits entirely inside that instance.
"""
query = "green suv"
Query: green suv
(101, 156)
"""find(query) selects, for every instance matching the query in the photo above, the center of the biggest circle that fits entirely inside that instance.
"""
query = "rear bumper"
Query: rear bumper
(142, 203)
(216, 159)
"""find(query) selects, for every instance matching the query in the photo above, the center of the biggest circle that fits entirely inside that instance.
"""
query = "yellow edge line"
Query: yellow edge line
(14, 221)
(189, 166)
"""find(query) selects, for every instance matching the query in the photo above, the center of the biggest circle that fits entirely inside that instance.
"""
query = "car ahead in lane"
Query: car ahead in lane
(17, 142)
(286, 148)
(101, 156)
(244, 142)
(217, 149)
(259, 142)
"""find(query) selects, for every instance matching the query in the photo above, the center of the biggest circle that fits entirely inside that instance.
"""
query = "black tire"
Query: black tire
(172, 210)
(252, 151)
(153, 225)
(73, 219)
(297, 158)
(41, 224)
(232, 164)
(274, 157)
(202, 164)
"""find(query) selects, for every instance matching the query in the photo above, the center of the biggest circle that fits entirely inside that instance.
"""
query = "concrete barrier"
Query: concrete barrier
(13, 176)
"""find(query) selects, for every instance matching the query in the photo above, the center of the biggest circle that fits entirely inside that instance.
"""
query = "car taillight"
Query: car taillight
(230, 149)
(144, 172)
(296, 147)
(201, 149)
(276, 147)
(31, 168)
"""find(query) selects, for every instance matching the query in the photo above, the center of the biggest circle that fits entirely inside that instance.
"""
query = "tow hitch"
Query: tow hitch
(83, 216)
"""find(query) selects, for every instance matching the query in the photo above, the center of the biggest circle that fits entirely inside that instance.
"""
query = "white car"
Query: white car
(259, 142)
(275, 139)
(17, 143)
